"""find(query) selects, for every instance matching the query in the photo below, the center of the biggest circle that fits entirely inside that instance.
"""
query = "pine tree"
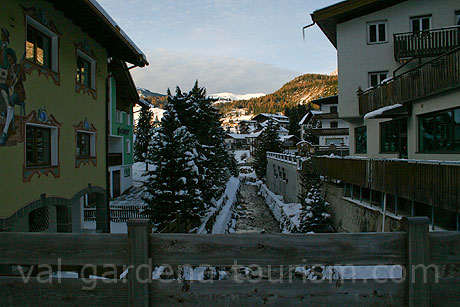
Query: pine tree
(315, 216)
(268, 140)
(144, 131)
(173, 183)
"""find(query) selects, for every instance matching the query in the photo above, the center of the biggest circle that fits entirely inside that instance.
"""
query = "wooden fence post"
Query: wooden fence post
(139, 278)
(418, 253)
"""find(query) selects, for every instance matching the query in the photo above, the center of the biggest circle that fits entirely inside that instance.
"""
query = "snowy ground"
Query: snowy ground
(241, 156)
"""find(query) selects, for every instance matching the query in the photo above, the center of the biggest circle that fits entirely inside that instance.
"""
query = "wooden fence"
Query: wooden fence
(434, 77)
(412, 248)
(180, 225)
(436, 184)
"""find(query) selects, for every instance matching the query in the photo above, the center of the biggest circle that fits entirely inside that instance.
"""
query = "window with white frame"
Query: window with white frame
(123, 116)
(41, 45)
(86, 144)
(86, 70)
(119, 117)
(420, 23)
(41, 145)
(128, 146)
(129, 119)
(375, 78)
(377, 32)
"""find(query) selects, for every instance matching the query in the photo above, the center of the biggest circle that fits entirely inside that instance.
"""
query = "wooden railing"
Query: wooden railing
(415, 249)
(430, 43)
(433, 183)
(329, 131)
(326, 116)
(180, 225)
(114, 159)
(434, 77)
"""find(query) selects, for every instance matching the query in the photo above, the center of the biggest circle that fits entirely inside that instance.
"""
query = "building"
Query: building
(330, 129)
(281, 120)
(247, 126)
(123, 98)
(399, 89)
(54, 84)
(307, 123)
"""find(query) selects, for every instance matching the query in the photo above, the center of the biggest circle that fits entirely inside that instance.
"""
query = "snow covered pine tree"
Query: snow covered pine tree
(144, 132)
(173, 183)
(268, 140)
(315, 216)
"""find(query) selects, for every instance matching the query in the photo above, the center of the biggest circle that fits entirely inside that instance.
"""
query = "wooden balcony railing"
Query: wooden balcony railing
(421, 181)
(330, 131)
(115, 159)
(424, 44)
(326, 116)
(434, 77)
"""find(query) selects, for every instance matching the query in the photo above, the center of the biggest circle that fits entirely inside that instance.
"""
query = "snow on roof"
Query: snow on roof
(381, 111)
(303, 142)
(302, 121)
(145, 103)
(113, 22)
(282, 129)
(274, 116)
(239, 136)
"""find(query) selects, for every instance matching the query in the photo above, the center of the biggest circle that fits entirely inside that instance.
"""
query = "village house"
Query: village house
(399, 90)
(59, 65)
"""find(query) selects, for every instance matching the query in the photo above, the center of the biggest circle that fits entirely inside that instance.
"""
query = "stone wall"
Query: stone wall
(352, 216)
(283, 175)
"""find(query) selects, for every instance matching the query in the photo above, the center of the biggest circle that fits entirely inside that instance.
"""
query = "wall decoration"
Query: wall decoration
(41, 16)
(85, 125)
(41, 117)
(80, 87)
(12, 92)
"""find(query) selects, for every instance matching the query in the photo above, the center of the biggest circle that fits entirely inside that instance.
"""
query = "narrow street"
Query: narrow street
(253, 214)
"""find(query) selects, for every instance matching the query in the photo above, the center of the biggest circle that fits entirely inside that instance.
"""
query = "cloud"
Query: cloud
(217, 73)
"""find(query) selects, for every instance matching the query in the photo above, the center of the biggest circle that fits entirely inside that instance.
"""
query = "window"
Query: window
(335, 141)
(334, 124)
(377, 32)
(440, 131)
(375, 78)
(393, 136)
(457, 18)
(361, 139)
(83, 144)
(86, 70)
(123, 117)
(129, 119)
(119, 116)
(38, 146)
(128, 146)
(333, 110)
(41, 45)
(38, 47)
(420, 23)
(83, 71)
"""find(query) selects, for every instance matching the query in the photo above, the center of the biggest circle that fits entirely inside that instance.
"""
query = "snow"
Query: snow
(233, 97)
(304, 118)
(288, 215)
(239, 154)
(381, 111)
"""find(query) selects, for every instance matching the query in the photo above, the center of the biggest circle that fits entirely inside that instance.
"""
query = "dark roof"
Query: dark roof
(327, 18)
(127, 95)
(326, 100)
(92, 19)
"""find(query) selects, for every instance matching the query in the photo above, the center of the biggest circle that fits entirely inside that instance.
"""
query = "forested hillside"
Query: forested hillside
(301, 90)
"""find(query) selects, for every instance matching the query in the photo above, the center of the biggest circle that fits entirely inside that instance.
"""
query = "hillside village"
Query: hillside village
(338, 189)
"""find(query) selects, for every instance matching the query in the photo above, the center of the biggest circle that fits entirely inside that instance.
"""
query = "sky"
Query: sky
(238, 46)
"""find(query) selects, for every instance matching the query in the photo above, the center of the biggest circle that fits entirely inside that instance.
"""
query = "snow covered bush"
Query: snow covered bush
(315, 216)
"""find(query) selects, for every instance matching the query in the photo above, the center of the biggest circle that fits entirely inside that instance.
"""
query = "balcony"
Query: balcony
(115, 159)
(434, 77)
(421, 181)
(330, 131)
(425, 44)
(326, 116)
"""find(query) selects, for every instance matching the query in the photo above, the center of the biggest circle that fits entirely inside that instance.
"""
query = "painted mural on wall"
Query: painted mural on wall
(12, 92)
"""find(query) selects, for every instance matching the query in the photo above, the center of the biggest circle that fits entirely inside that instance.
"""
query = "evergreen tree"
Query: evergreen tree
(144, 132)
(173, 183)
(315, 216)
(268, 140)
(295, 115)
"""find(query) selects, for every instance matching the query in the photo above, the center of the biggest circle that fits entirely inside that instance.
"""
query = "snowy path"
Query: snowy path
(253, 214)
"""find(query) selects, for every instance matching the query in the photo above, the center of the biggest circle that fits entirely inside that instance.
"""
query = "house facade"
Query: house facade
(399, 89)
(54, 73)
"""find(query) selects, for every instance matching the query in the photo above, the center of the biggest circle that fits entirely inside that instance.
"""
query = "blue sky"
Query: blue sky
(239, 46)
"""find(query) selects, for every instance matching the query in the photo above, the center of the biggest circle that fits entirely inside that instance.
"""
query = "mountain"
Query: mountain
(301, 90)
(157, 100)
(226, 96)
